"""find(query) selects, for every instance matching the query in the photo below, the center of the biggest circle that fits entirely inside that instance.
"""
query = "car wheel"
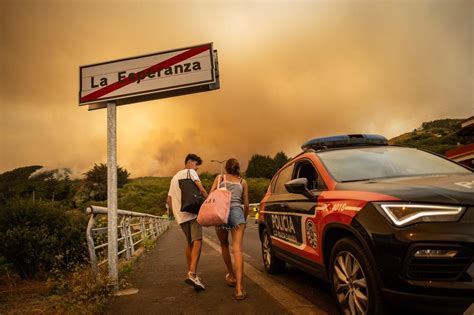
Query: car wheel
(352, 279)
(273, 265)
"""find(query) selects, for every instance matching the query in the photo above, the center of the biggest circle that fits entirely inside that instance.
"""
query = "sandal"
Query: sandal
(241, 296)
(230, 282)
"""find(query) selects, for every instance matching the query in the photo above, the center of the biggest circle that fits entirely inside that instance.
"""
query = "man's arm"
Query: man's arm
(201, 188)
(170, 203)
(195, 177)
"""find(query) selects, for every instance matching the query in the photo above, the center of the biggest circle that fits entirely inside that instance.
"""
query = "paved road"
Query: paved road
(303, 284)
(159, 277)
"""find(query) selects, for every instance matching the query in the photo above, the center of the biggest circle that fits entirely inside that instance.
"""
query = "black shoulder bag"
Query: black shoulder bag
(191, 197)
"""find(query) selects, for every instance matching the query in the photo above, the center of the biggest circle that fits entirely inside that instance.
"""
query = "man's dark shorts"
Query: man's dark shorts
(192, 230)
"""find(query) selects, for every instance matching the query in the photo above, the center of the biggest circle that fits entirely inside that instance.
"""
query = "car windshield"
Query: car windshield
(357, 164)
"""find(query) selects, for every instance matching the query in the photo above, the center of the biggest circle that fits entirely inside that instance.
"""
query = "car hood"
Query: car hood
(444, 189)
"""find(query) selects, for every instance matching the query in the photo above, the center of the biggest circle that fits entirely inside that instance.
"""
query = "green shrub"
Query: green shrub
(257, 188)
(96, 180)
(35, 237)
(147, 194)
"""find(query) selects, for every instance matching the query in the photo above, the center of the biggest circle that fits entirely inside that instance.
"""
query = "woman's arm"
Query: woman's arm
(245, 198)
(214, 184)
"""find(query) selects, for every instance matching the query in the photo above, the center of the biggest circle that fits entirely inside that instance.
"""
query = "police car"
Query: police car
(383, 224)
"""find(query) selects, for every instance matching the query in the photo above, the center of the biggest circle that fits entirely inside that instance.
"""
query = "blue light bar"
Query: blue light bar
(342, 141)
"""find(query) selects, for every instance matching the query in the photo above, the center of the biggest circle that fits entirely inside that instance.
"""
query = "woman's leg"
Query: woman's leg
(237, 240)
(223, 236)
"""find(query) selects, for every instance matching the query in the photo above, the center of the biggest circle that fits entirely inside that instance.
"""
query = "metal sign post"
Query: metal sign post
(112, 192)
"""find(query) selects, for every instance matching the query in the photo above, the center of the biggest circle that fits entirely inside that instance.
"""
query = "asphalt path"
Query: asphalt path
(157, 283)
(309, 287)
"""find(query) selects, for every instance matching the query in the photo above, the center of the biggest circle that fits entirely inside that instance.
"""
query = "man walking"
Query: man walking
(186, 220)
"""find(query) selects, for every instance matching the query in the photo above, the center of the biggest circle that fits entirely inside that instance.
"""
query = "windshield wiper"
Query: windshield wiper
(356, 180)
(397, 176)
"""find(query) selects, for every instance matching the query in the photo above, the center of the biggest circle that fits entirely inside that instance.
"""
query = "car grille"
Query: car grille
(441, 269)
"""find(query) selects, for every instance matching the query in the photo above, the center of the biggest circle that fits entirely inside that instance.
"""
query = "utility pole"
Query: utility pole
(220, 162)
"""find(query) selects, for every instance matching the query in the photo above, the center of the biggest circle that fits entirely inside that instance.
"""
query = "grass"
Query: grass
(148, 194)
(75, 292)
(145, 194)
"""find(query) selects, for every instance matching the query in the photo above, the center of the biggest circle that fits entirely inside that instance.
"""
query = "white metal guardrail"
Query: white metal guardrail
(133, 229)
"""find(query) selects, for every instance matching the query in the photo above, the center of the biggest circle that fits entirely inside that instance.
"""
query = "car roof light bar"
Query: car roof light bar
(342, 141)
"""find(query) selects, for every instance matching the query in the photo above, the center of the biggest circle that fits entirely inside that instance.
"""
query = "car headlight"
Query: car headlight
(402, 214)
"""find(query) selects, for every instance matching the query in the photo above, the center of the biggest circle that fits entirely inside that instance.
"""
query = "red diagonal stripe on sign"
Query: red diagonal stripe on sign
(141, 74)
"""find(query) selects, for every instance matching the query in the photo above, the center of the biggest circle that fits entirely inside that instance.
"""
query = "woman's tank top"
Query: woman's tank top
(236, 189)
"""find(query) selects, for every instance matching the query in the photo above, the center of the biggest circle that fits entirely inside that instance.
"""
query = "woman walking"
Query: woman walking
(236, 225)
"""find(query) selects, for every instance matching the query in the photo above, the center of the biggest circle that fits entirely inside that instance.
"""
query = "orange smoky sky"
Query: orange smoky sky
(289, 71)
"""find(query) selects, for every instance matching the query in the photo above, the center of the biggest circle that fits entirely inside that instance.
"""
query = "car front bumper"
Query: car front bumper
(404, 276)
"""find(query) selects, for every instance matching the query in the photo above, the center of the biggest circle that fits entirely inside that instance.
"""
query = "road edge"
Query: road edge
(291, 301)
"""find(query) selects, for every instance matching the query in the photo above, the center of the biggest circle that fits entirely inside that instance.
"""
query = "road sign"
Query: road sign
(164, 74)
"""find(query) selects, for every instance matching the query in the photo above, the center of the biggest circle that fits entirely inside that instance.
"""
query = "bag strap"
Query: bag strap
(219, 182)
(189, 174)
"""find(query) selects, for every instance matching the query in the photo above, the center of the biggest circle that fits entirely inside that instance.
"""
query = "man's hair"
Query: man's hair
(193, 157)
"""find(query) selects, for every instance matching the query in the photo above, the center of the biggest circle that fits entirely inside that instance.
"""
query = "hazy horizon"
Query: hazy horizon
(289, 71)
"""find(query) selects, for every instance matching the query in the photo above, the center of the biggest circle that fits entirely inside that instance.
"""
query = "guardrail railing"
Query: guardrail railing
(133, 229)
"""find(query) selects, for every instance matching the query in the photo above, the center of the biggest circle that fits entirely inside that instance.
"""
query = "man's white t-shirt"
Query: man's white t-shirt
(175, 193)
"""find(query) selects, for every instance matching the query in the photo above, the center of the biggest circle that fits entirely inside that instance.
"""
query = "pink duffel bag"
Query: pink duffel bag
(215, 209)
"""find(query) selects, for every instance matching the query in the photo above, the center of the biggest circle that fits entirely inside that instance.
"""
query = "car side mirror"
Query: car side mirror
(299, 186)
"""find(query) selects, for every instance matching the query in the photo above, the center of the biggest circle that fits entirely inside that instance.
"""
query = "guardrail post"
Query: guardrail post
(142, 228)
(156, 226)
(151, 227)
(163, 225)
(123, 231)
(90, 244)
(132, 245)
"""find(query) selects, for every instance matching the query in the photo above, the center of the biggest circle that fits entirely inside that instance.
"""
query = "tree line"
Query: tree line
(263, 166)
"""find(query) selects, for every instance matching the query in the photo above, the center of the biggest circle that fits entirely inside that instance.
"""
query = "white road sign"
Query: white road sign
(126, 80)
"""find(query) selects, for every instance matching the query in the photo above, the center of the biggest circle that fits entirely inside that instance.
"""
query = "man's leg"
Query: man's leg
(195, 253)
(188, 250)
(186, 227)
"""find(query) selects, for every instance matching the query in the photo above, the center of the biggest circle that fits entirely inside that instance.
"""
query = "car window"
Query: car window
(283, 177)
(305, 169)
(272, 184)
(384, 162)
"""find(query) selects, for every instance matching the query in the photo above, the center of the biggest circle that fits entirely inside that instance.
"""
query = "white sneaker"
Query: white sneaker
(194, 280)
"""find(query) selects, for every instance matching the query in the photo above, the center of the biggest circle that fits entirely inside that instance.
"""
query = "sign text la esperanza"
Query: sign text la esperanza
(141, 75)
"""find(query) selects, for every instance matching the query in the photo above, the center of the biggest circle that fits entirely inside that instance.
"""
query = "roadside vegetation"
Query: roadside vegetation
(43, 251)
(437, 136)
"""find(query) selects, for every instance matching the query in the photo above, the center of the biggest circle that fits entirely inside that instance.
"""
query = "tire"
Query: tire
(272, 264)
(352, 279)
